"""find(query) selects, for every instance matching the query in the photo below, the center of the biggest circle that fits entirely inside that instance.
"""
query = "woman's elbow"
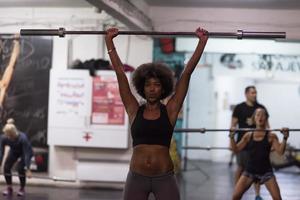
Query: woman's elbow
(281, 153)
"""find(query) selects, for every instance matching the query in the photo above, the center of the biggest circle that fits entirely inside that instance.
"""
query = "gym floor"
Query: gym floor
(201, 180)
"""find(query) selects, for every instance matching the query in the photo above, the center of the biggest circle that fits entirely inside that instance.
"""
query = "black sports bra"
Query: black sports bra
(158, 131)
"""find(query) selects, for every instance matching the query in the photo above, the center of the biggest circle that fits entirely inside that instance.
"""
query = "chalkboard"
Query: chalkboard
(27, 96)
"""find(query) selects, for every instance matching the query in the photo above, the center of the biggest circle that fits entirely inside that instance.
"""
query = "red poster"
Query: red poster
(107, 106)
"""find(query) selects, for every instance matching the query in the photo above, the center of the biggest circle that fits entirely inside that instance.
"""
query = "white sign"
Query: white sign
(70, 112)
(275, 67)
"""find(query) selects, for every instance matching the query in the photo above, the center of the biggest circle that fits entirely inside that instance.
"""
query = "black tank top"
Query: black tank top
(158, 131)
(259, 156)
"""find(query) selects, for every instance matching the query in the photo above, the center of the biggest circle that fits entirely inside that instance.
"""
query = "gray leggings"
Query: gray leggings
(138, 187)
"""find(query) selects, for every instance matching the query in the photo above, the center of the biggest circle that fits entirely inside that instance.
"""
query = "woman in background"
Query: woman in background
(20, 147)
(259, 145)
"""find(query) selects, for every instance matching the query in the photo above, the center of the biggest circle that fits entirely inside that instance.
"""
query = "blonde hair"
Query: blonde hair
(10, 127)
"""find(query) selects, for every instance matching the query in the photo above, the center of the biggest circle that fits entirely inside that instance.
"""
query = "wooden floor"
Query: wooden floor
(201, 180)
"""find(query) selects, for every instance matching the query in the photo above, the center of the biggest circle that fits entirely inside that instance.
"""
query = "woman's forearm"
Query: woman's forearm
(233, 145)
(113, 55)
(7, 75)
(192, 63)
(282, 146)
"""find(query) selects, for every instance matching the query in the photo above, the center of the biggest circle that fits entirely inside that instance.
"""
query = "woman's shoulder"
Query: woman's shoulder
(272, 136)
(248, 135)
(3, 139)
(23, 135)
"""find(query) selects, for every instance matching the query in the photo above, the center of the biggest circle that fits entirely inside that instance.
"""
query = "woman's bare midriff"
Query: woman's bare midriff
(151, 160)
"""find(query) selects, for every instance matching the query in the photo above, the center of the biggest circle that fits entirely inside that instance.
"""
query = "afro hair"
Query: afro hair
(153, 70)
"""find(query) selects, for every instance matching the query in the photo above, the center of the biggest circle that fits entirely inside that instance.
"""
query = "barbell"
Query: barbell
(203, 130)
(209, 148)
(239, 34)
(54, 178)
(8, 37)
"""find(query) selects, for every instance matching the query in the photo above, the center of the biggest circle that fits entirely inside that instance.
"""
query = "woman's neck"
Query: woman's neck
(152, 106)
(260, 129)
